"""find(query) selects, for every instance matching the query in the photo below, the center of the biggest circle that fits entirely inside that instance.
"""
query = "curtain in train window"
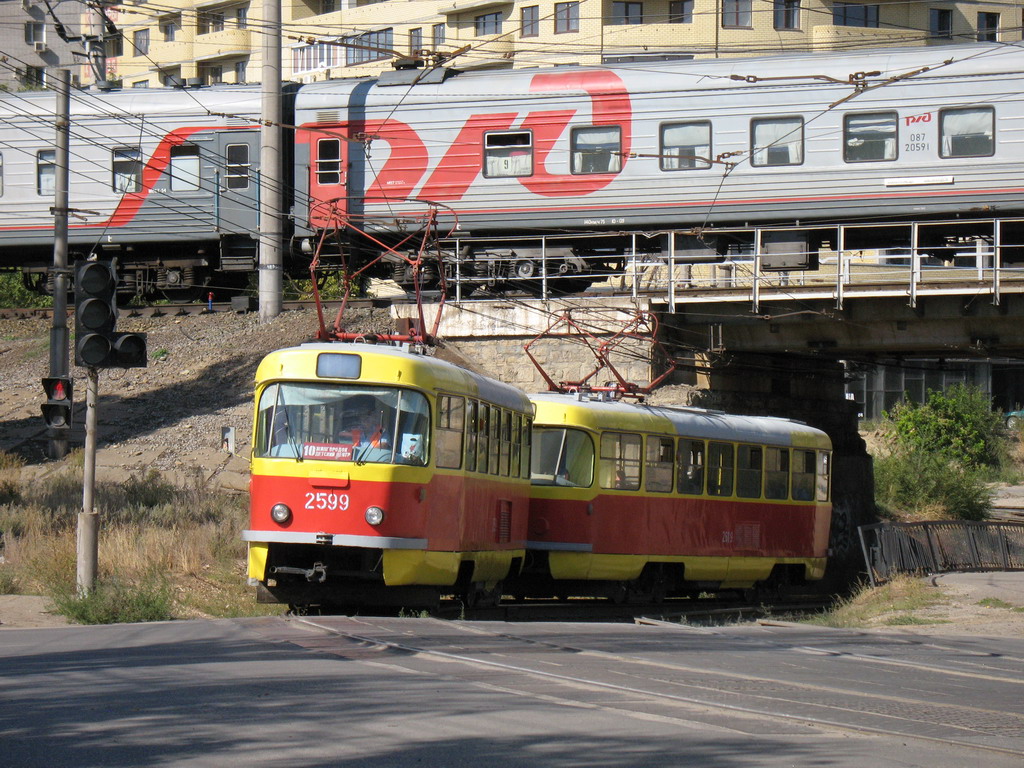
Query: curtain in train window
(967, 132)
(184, 168)
(126, 165)
(748, 471)
(777, 141)
(869, 137)
(597, 149)
(720, 469)
(237, 170)
(660, 464)
(823, 475)
(328, 161)
(508, 154)
(685, 146)
(563, 457)
(620, 461)
(776, 473)
(803, 475)
(46, 172)
(691, 466)
(451, 413)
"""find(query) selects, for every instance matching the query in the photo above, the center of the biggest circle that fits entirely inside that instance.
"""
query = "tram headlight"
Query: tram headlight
(374, 515)
(280, 513)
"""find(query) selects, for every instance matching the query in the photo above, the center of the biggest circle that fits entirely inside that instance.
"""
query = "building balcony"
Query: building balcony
(174, 50)
(226, 42)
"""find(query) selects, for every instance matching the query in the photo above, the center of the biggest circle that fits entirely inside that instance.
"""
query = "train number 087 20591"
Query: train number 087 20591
(326, 500)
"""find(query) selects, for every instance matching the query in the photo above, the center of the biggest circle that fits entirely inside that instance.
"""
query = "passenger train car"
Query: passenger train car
(630, 500)
(384, 477)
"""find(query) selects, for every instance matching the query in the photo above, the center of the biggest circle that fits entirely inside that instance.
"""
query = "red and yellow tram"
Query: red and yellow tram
(383, 476)
(630, 499)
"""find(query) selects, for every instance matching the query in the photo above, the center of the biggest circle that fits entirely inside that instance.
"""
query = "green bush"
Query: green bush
(115, 603)
(925, 484)
(13, 293)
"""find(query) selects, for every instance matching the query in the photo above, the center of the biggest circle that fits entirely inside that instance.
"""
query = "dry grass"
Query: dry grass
(896, 602)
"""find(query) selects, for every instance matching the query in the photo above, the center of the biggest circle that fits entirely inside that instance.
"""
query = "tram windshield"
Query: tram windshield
(328, 422)
(562, 457)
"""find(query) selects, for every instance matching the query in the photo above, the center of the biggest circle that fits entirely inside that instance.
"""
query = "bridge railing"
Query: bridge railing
(940, 546)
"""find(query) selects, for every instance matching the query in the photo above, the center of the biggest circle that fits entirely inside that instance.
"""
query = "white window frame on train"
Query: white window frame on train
(237, 166)
(508, 154)
(620, 461)
(184, 168)
(46, 172)
(596, 149)
(771, 137)
(126, 169)
(328, 166)
(865, 133)
(967, 132)
(683, 147)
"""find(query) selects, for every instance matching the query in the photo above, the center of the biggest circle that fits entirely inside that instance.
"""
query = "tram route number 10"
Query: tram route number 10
(325, 500)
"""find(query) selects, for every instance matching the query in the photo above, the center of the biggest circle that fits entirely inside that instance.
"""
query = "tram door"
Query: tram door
(237, 204)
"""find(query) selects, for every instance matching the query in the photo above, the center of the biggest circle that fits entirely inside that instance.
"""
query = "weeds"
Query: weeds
(885, 604)
(112, 602)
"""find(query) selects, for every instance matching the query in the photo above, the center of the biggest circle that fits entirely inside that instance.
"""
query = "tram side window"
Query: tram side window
(776, 473)
(803, 475)
(691, 466)
(968, 132)
(483, 441)
(869, 137)
(328, 161)
(563, 457)
(126, 165)
(685, 146)
(720, 469)
(494, 429)
(660, 464)
(777, 141)
(620, 461)
(597, 149)
(472, 408)
(517, 444)
(184, 168)
(451, 412)
(824, 475)
(508, 154)
(748, 471)
(526, 452)
(505, 453)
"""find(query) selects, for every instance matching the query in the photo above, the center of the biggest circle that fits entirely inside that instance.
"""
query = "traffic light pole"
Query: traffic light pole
(88, 520)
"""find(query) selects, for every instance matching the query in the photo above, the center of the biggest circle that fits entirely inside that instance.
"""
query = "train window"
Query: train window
(508, 154)
(661, 463)
(823, 475)
(563, 457)
(685, 146)
(777, 141)
(597, 149)
(748, 471)
(967, 132)
(803, 475)
(482, 436)
(237, 171)
(1, 174)
(505, 453)
(126, 164)
(720, 469)
(869, 137)
(451, 417)
(471, 413)
(527, 448)
(494, 430)
(620, 461)
(184, 168)
(335, 365)
(517, 442)
(691, 466)
(328, 161)
(776, 473)
(46, 170)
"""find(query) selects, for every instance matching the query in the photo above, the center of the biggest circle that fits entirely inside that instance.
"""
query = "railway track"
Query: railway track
(182, 310)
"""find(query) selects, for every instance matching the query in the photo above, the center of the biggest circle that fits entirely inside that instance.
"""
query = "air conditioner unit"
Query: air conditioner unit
(41, 46)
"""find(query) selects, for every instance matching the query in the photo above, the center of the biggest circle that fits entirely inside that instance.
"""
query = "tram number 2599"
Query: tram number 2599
(326, 500)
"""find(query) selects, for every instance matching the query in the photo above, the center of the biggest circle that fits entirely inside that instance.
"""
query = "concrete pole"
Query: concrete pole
(58, 436)
(271, 233)
(88, 520)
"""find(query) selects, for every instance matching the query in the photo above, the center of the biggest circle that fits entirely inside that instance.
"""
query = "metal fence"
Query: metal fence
(941, 546)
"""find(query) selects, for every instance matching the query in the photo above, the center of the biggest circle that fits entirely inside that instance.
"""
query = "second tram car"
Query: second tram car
(384, 477)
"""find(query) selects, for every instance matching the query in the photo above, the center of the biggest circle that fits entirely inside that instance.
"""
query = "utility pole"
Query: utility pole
(58, 434)
(271, 168)
(87, 549)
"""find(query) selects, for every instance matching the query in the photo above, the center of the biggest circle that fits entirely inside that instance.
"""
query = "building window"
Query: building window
(487, 24)
(46, 172)
(786, 14)
(736, 13)
(869, 137)
(169, 29)
(241, 71)
(777, 141)
(680, 12)
(437, 36)
(508, 154)
(328, 161)
(236, 171)
(211, 74)
(567, 17)
(685, 146)
(940, 23)
(140, 41)
(627, 13)
(988, 27)
(415, 41)
(529, 21)
(597, 149)
(114, 46)
(242, 17)
(328, 6)
(184, 168)
(209, 21)
(854, 15)
(127, 170)
(141, 84)
(318, 56)
(968, 132)
(35, 32)
(369, 46)
(34, 77)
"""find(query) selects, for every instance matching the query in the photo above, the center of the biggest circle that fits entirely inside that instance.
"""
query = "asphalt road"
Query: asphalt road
(343, 691)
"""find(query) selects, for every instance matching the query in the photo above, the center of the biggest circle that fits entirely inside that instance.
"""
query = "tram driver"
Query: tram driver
(365, 426)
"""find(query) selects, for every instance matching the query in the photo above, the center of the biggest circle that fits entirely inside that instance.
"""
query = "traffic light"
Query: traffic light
(57, 408)
(97, 345)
